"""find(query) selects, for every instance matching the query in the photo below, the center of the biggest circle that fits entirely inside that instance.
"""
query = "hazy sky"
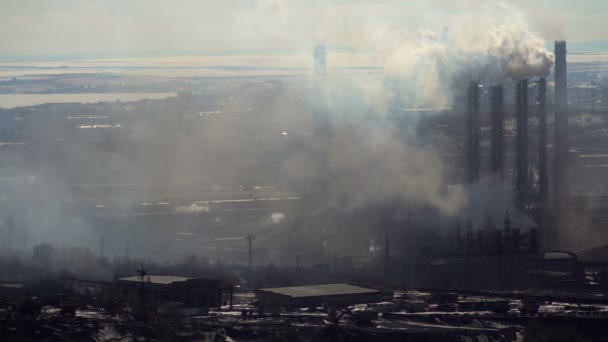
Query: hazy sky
(116, 26)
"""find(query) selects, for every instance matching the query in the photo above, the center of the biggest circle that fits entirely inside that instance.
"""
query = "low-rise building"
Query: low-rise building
(153, 289)
(192, 292)
(316, 295)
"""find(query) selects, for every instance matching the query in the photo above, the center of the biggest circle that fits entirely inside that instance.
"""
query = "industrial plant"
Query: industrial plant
(448, 185)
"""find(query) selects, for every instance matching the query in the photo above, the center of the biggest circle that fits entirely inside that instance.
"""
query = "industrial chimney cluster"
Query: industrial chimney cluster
(527, 196)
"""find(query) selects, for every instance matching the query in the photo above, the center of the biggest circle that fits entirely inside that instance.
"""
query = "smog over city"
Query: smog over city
(271, 170)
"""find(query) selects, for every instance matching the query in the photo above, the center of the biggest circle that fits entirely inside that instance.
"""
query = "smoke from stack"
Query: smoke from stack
(494, 44)
(378, 165)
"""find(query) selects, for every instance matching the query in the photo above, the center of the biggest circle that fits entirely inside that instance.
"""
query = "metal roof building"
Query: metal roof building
(154, 279)
(163, 288)
(316, 295)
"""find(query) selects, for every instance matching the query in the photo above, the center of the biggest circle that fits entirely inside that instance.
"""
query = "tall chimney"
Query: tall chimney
(321, 128)
(320, 60)
(561, 169)
(521, 182)
(543, 176)
(473, 133)
(321, 118)
(498, 147)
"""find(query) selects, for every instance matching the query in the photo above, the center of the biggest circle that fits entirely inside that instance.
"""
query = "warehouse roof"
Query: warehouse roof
(559, 255)
(320, 290)
(156, 279)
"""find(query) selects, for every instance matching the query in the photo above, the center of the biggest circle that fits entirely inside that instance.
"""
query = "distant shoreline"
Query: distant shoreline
(574, 47)
(11, 101)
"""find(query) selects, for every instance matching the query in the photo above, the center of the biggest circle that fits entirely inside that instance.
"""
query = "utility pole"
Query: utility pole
(593, 98)
(10, 234)
(387, 261)
(250, 245)
(142, 276)
(509, 249)
(335, 262)
(543, 170)
(458, 237)
(101, 242)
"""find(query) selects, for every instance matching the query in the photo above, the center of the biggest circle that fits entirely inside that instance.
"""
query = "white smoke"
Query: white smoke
(492, 44)
(378, 165)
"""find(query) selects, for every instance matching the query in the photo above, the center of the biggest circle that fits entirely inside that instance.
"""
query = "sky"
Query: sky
(121, 26)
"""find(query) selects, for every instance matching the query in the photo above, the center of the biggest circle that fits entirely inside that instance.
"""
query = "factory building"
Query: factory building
(153, 289)
(316, 295)
(159, 288)
(505, 271)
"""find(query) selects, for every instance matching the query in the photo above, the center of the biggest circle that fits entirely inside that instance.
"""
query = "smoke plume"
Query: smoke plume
(492, 44)
(377, 165)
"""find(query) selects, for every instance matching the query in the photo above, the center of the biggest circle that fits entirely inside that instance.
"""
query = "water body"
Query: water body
(24, 100)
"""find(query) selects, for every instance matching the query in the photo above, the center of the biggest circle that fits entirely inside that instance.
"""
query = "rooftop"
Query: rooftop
(554, 255)
(156, 279)
(559, 255)
(319, 290)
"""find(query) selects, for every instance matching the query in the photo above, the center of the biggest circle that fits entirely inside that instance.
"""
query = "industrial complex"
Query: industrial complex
(256, 209)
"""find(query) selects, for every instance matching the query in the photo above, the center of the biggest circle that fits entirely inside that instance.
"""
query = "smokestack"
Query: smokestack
(561, 169)
(543, 176)
(498, 145)
(473, 132)
(321, 130)
(321, 120)
(521, 182)
(320, 60)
